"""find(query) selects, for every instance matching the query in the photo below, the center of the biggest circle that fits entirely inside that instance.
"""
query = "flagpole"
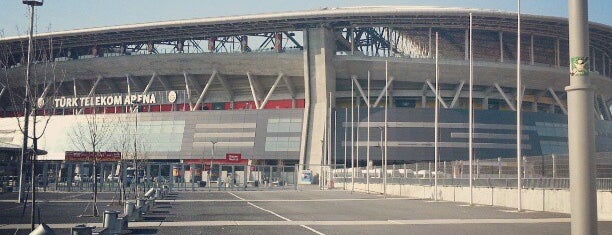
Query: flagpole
(436, 128)
(352, 135)
(471, 115)
(385, 143)
(368, 139)
(345, 145)
(519, 103)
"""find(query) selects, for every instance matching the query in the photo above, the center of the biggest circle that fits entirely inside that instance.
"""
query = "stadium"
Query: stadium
(292, 88)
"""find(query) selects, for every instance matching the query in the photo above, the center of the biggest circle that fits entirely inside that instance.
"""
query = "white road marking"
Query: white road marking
(277, 215)
(232, 200)
(311, 223)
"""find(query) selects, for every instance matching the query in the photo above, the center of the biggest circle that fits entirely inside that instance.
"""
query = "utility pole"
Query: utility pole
(581, 137)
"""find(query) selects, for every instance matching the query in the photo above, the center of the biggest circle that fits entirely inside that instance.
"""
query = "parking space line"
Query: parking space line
(277, 215)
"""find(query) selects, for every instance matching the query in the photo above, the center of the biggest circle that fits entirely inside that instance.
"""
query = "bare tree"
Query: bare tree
(131, 149)
(91, 134)
(43, 83)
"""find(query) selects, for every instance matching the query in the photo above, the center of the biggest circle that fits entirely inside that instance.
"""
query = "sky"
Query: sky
(59, 15)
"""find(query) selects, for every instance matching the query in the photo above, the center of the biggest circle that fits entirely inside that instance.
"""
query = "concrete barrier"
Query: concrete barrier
(550, 200)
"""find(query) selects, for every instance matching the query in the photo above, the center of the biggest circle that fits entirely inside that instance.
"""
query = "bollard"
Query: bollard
(157, 194)
(81, 229)
(130, 211)
(110, 221)
(141, 205)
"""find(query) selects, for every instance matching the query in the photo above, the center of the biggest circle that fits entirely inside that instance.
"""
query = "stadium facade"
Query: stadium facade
(279, 87)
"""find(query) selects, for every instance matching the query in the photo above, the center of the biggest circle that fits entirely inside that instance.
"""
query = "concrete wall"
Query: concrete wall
(551, 200)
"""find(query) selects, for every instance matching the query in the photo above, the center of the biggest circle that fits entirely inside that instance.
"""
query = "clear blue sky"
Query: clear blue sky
(58, 15)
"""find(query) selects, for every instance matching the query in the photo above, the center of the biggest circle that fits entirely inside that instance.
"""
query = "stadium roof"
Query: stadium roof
(409, 16)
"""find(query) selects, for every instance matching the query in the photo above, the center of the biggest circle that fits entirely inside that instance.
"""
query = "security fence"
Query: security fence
(549, 172)
(123, 176)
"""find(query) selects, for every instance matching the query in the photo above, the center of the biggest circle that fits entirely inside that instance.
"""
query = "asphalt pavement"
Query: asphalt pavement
(287, 212)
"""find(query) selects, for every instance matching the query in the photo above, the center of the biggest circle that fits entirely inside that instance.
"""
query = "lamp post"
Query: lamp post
(581, 135)
(26, 99)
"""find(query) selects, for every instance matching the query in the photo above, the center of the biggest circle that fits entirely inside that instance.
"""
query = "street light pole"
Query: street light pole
(26, 99)
(581, 137)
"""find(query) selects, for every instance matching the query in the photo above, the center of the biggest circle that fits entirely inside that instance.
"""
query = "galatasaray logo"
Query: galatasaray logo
(171, 96)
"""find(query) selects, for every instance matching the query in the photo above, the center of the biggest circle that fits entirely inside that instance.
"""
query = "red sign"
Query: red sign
(89, 156)
(233, 157)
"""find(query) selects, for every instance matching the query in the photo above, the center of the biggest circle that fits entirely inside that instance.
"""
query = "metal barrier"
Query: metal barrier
(121, 177)
(602, 184)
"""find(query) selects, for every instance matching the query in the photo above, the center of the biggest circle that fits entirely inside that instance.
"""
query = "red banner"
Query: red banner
(233, 157)
(89, 156)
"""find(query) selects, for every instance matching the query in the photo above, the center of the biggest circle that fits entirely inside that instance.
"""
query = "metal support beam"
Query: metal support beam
(225, 86)
(384, 90)
(253, 90)
(503, 94)
(188, 91)
(94, 86)
(457, 94)
(137, 83)
(363, 95)
(204, 90)
(265, 101)
(163, 82)
(290, 86)
(150, 83)
(436, 94)
(554, 95)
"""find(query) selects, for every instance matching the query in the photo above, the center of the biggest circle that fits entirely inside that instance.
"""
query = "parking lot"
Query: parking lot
(292, 211)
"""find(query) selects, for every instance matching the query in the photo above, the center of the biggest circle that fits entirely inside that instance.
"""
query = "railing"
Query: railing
(602, 184)
(75, 177)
